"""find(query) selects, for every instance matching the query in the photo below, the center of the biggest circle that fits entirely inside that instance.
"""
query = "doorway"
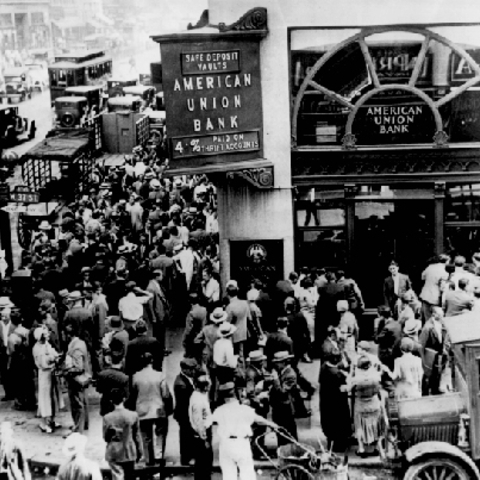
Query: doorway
(391, 224)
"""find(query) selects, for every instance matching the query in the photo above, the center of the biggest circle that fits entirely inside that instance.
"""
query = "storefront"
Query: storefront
(373, 133)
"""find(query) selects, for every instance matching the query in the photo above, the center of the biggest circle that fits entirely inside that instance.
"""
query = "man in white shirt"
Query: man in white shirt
(131, 305)
(6, 328)
(224, 359)
(185, 257)
(235, 422)
(210, 290)
(200, 416)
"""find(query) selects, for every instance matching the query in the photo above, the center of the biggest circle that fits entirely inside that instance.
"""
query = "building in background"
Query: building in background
(25, 25)
(363, 145)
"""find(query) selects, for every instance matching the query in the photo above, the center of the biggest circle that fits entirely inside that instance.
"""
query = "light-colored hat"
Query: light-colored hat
(412, 326)
(38, 332)
(5, 302)
(74, 444)
(342, 306)
(232, 283)
(226, 387)
(74, 296)
(219, 315)
(252, 295)
(256, 356)
(155, 183)
(227, 329)
(178, 247)
(44, 225)
(63, 293)
(149, 174)
(364, 345)
(281, 356)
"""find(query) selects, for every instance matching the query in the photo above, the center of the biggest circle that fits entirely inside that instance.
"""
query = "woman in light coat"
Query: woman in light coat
(408, 372)
(49, 399)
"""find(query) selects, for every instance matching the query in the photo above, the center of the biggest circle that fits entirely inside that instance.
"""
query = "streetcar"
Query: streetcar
(83, 68)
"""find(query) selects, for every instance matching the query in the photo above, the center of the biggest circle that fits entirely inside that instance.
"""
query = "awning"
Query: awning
(257, 172)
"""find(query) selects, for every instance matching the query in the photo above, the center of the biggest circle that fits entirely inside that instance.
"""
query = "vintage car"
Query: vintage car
(124, 104)
(438, 436)
(115, 86)
(147, 94)
(93, 94)
(70, 111)
(14, 128)
(17, 84)
(38, 75)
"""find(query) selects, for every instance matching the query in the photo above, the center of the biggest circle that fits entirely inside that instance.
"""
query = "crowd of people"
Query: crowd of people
(139, 254)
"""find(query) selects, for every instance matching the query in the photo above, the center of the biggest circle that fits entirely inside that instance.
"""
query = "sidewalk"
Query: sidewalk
(45, 450)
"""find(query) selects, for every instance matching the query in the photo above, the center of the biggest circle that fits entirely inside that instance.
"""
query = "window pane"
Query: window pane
(462, 203)
(463, 241)
(322, 248)
(325, 208)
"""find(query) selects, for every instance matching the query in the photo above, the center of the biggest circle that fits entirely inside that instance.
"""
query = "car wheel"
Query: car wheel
(437, 468)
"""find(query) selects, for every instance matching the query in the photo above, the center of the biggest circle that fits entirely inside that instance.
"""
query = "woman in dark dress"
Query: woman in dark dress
(334, 407)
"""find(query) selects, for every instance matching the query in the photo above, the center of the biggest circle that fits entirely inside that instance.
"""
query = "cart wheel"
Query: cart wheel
(437, 468)
(294, 472)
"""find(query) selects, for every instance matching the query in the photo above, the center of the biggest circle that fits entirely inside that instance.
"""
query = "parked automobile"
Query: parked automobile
(14, 128)
(70, 111)
(17, 84)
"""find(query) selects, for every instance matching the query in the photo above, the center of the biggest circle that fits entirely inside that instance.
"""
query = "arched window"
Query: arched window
(386, 86)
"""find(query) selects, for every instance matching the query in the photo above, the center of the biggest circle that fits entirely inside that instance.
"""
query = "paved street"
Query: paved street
(46, 449)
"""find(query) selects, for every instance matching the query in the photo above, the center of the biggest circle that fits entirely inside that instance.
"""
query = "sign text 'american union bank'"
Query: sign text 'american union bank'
(213, 99)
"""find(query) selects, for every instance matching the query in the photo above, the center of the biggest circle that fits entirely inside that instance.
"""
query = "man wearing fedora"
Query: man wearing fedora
(196, 319)
(282, 394)
(224, 359)
(238, 313)
(183, 389)
(82, 317)
(6, 329)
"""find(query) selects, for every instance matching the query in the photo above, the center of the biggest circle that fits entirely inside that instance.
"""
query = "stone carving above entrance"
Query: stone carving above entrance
(258, 177)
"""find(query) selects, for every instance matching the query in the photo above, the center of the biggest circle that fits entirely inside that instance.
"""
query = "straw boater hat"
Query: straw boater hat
(256, 356)
(412, 326)
(74, 296)
(282, 356)
(44, 225)
(63, 293)
(5, 302)
(219, 315)
(155, 183)
(178, 247)
(232, 283)
(227, 329)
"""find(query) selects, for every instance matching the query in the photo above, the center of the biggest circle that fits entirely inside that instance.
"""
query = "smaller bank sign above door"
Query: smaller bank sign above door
(213, 99)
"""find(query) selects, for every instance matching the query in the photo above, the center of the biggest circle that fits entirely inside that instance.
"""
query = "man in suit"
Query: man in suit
(140, 345)
(157, 310)
(167, 266)
(121, 432)
(435, 345)
(458, 301)
(196, 320)
(183, 388)
(109, 380)
(278, 341)
(282, 394)
(152, 400)
(326, 313)
(77, 363)
(394, 286)
(82, 317)
(6, 328)
(238, 314)
(433, 277)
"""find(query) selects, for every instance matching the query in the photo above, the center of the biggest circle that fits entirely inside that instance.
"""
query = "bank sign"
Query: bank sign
(212, 100)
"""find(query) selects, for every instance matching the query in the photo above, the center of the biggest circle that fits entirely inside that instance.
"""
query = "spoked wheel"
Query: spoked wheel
(439, 469)
(294, 472)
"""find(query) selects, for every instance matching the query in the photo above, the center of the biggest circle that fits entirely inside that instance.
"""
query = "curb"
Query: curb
(51, 468)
